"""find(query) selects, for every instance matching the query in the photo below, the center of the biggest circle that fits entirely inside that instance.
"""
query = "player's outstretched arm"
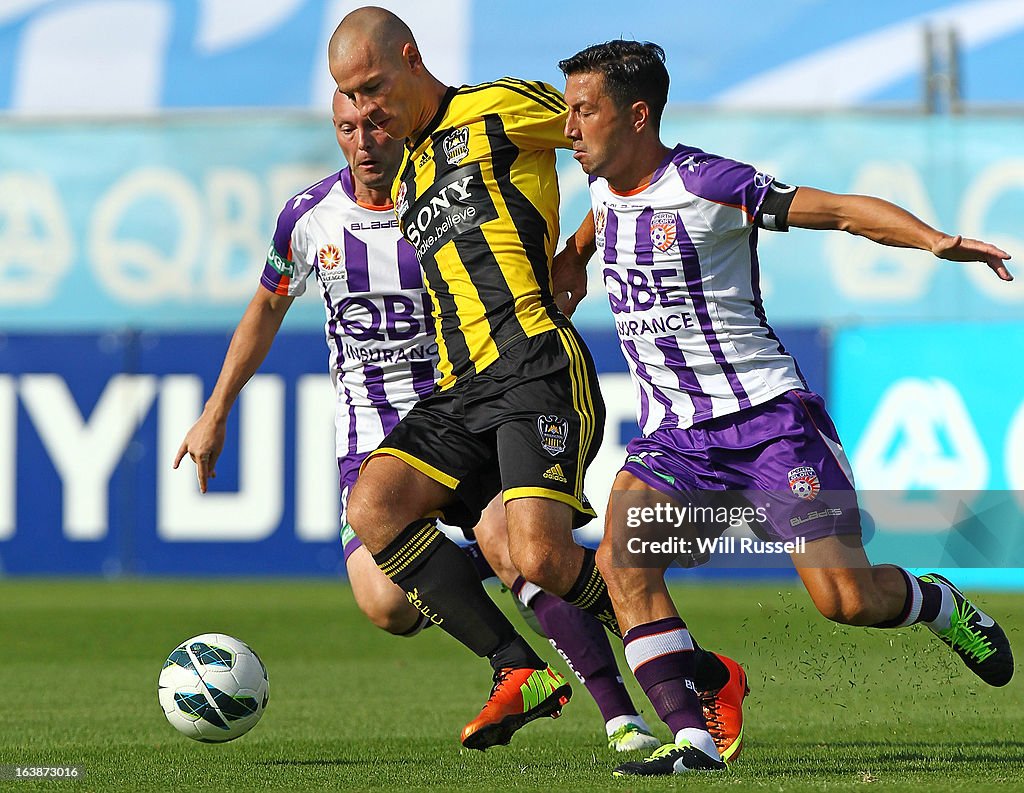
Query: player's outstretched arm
(888, 224)
(569, 267)
(249, 346)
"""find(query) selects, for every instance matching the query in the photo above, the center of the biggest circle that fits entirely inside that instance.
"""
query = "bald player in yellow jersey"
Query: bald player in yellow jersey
(477, 197)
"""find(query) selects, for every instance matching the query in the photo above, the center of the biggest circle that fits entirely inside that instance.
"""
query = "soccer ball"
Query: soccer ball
(213, 688)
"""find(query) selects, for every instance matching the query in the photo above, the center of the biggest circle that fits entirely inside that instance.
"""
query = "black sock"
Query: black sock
(709, 673)
(931, 601)
(441, 581)
(422, 621)
(922, 603)
(590, 593)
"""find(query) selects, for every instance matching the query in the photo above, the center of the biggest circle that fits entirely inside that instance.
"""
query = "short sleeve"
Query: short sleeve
(286, 268)
(534, 114)
(732, 191)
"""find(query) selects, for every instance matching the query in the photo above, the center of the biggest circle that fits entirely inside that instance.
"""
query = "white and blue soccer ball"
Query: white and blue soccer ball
(213, 688)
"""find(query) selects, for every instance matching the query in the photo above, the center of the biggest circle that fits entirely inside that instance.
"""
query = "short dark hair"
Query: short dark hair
(633, 71)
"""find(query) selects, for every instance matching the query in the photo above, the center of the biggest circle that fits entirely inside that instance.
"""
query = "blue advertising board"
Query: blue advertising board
(95, 422)
(930, 413)
(908, 396)
(90, 425)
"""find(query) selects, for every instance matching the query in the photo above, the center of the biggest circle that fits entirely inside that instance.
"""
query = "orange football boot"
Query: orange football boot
(723, 710)
(518, 697)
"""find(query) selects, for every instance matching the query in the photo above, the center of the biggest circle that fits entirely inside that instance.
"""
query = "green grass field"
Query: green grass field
(352, 708)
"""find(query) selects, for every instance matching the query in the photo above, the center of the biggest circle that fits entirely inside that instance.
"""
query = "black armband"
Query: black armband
(774, 212)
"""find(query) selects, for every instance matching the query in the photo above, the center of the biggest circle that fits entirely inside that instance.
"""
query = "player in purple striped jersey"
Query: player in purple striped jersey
(382, 355)
(722, 405)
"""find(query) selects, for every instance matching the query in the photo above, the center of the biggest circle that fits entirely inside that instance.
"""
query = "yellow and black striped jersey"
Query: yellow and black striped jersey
(477, 197)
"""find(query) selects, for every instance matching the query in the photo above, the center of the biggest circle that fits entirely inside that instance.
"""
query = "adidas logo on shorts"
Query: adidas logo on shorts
(555, 472)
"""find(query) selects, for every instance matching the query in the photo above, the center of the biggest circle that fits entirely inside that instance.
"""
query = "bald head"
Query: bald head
(376, 63)
(370, 32)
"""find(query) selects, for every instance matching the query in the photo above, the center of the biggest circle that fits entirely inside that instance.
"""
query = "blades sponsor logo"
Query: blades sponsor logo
(456, 145)
(554, 432)
(663, 230)
(818, 514)
(803, 481)
(374, 225)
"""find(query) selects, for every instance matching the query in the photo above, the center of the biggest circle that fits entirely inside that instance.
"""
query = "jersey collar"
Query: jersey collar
(436, 120)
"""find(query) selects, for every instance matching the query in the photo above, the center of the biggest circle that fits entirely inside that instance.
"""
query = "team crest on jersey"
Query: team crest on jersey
(328, 256)
(600, 223)
(803, 481)
(663, 230)
(456, 145)
(554, 431)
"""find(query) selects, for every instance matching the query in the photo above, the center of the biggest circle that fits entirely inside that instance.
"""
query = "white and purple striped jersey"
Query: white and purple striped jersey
(681, 270)
(380, 331)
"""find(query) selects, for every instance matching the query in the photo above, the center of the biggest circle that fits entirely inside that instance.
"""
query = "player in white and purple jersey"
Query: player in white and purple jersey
(382, 355)
(722, 405)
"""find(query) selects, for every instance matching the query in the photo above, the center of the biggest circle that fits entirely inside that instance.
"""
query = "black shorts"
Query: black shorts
(537, 411)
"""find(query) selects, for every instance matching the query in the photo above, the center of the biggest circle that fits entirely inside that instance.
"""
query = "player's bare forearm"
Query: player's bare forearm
(865, 216)
(887, 224)
(584, 239)
(569, 267)
(249, 346)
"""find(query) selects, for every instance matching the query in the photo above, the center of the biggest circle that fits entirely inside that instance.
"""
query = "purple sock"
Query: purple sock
(582, 641)
(660, 653)
(476, 556)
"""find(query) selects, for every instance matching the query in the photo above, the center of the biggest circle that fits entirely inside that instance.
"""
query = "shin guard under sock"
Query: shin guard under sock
(660, 654)
(581, 640)
(590, 593)
(443, 584)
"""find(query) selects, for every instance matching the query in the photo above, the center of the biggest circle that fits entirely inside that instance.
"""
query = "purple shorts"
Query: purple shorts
(783, 454)
(348, 471)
